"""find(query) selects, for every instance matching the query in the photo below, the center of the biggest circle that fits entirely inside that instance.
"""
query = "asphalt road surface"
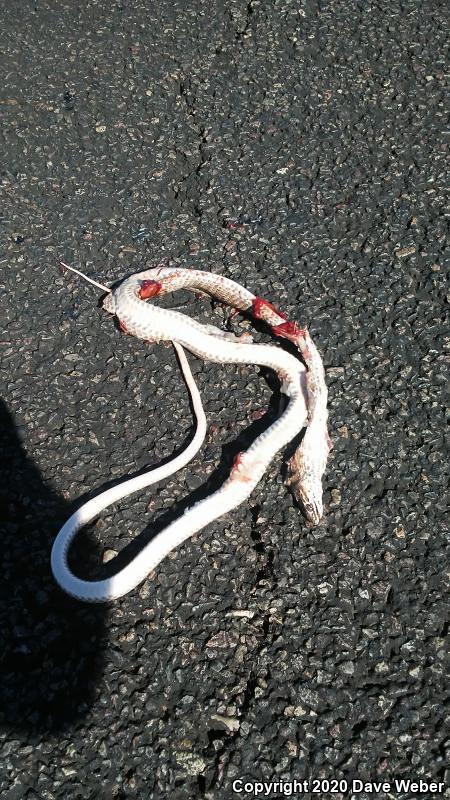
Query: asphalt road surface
(296, 147)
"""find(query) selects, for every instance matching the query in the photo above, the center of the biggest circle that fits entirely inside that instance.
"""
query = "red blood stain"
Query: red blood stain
(259, 304)
(149, 289)
(287, 329)
(237, 461)
(236, 473)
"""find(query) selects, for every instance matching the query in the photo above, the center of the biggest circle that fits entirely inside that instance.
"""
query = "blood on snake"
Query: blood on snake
(304, 387)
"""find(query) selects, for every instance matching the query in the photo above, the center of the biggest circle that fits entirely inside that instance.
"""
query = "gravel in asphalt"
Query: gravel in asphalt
(298, 148)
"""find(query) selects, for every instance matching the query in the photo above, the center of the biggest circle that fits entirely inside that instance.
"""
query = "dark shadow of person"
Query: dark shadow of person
(51, 646)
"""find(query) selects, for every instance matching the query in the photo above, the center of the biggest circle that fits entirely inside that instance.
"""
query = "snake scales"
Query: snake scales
(305, 389)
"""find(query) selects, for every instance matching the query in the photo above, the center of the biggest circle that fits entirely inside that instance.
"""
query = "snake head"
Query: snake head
(309, 494)
(109, 303)
(307, 490)
(305, 472)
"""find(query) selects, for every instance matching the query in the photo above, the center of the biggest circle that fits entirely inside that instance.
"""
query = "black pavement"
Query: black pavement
(296, 147)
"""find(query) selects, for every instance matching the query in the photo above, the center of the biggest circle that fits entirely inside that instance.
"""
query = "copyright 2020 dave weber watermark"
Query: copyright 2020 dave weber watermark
(322, 787)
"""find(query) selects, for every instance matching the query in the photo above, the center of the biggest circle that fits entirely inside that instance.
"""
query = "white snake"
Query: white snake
(305, 389)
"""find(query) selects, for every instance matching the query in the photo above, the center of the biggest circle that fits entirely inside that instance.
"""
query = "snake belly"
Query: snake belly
(305, 390)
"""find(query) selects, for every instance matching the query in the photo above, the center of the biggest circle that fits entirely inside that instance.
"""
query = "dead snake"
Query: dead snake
(307, 405)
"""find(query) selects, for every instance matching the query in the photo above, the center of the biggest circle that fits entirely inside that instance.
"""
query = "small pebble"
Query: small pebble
(108, 555)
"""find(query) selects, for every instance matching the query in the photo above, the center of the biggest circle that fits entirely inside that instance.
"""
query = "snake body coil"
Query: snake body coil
(307, 405)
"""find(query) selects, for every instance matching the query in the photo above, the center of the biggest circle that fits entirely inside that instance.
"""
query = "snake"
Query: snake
(302, 381)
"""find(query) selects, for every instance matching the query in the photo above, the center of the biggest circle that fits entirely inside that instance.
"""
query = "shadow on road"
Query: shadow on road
(51, 647)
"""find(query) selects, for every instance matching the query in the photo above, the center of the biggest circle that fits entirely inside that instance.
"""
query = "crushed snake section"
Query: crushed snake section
(304, 387)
